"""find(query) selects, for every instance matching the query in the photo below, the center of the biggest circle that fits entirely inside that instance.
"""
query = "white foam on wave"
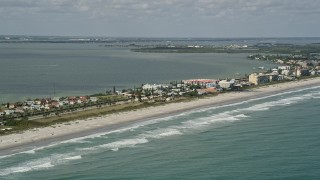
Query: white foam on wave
(116, 145)
(125, 143)
(40, 164)
(282, 102)
(32, 151)
(74, 157)
(282, 93)
(9, 155)
(29, 152)
(191, 124)
(241, 116)
(205, 121)
(86, 139)
(259, 98)
(161, 133)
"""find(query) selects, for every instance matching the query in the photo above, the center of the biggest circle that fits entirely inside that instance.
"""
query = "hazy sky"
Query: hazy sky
(161, 18)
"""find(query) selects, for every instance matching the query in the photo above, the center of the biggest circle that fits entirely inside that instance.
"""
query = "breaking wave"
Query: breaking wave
(183, 123)
(39, 164)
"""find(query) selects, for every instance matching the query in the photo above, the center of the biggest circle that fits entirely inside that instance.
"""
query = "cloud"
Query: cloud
(147, 8)
(160, 14)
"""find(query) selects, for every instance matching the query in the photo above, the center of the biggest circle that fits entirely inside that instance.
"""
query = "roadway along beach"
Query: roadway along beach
(12, 142)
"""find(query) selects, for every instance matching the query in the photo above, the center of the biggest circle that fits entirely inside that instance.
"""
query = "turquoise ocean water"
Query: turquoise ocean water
(274, 137)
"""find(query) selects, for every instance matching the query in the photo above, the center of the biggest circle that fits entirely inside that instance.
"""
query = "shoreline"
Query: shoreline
(15, 143)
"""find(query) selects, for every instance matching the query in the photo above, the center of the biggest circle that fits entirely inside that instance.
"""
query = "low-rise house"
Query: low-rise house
(12, 106)
(72, 102)
(45, 101)
(55, 104)
(72, 98)
(29, 103)
(46, 107)
(290, 78)
(93, 99)
(207, 90)
(9, 111)
(181, 85)
(128, 95)
(65, 102)
(37, 102)
(303, 64)
(292, 61)
(172, 94)
(284, 67)
(35, 107)
(84, 98)
(56, 99)
(19, 111)
(279, 61)
(160, 92)
(175, 90)
(26, 108)
(152, 86)
(144, 99)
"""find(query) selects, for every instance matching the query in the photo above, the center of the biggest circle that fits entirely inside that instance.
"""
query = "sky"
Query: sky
(161, 18)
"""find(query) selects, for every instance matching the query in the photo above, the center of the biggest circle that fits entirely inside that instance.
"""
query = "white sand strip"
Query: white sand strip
(74, 127)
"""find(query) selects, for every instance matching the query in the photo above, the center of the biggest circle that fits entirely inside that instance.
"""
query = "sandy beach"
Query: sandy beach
(89, 126)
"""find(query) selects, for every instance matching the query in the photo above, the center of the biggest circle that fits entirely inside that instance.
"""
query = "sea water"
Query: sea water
(273, 137)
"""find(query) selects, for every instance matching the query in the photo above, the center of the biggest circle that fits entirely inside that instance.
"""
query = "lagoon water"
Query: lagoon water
(275, 137)
(31, 70)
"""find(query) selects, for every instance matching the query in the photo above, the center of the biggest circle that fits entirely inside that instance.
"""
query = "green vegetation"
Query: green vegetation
(21, 125)
(259, 48)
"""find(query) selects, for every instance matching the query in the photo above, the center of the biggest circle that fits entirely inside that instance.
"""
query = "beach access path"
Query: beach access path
(89, 126)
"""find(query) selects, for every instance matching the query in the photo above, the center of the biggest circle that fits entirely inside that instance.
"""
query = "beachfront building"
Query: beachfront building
(201, 82)
(207, 90)
(284, 70)
(210, 85)
(257, 79)
(225, 84)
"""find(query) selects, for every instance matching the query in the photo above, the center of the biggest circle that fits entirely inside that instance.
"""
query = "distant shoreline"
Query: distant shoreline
(13, 143)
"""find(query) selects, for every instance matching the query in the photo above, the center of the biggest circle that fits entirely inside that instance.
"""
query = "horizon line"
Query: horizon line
(163, 37)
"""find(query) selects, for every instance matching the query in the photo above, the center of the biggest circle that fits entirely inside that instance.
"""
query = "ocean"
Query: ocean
(38, 70)
(272, 137)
